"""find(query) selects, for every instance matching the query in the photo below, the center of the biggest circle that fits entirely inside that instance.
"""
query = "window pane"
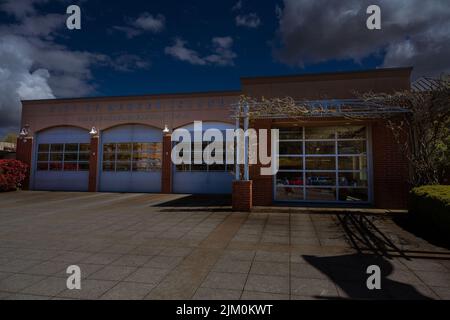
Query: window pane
(353, 163)
(353, 179)
(56, 157)
(84, 157)
(289, 179)
(313, 133)
(353, 195)
(42, 166)
(85, 147)
(123, 166)
(199, 167)
(56, 148)
(109, 148)
(320, 147)
(71, 147)
(42, 156)
(216, 167)
(145, 156)
(291, 133)
(320, 163)
(147, 165)
(108, 157)
(320, 194)
(147, 147)
(123, 156)
(352, 132)
(43, 148)
(108, 166)
(70, 166)
(291, 148)
(183, 167)
(321, 179)
(124, 147)
(352, 147)
(83, 166)
(55, 166)
(289, 194)
(70, 157)
(290, 163)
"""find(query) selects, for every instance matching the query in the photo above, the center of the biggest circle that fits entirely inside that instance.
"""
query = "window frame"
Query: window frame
(61, 164)
(337, 187)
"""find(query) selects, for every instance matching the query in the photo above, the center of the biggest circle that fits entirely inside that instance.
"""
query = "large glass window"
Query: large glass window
(198, 150)
(136, 157)
(63, 157)
(323, 164)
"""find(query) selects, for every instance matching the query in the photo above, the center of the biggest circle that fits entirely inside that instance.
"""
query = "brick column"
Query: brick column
(93, 164)
(242, 197)
(24, 153)
(263, 185)
(166, 172)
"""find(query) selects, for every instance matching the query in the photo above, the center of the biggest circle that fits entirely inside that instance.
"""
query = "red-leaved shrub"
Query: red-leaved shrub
(12, 174)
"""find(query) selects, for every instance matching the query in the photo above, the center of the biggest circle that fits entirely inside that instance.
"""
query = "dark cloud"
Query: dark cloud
(414, 33)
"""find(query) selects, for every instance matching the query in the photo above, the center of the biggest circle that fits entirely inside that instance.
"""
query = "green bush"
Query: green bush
(430, 207)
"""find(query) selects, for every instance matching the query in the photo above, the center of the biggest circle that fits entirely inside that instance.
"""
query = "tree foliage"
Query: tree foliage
(424, 132)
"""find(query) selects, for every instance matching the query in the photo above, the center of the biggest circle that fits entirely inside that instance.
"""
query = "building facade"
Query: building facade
(329, 160)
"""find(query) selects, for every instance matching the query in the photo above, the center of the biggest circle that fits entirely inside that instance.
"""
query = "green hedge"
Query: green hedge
(430, 206)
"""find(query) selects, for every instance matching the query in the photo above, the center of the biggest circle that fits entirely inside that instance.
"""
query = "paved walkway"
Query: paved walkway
(141, 246)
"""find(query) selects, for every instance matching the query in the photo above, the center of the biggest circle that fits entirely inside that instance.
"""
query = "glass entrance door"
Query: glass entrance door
(323, 164)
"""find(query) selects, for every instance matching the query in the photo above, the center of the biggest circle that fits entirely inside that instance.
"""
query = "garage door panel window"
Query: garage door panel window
(136, 157)
(204, 167)
(63, 157)
(324, 164)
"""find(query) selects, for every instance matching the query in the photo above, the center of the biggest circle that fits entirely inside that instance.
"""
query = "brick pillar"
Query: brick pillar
(166, 174)
(24, 153)
(93, 164)
(242, 197)
(263, 185)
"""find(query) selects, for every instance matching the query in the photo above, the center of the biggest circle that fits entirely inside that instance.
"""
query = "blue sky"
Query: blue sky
(141, 47)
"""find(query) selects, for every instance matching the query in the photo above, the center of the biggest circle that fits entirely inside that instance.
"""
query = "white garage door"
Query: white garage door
(61, 161)
(203, 178)
(131, 159)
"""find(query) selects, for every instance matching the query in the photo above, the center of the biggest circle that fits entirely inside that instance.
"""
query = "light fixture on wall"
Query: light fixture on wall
(166, 129)
(24, 133)
(93, 132)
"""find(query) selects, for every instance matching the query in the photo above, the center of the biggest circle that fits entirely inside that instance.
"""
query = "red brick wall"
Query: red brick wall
(93, 165)
(242, 195)
(24, 153)
(166, 176)
(390, 169)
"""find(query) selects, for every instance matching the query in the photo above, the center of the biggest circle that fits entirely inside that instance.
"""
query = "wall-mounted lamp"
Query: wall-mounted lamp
(166, 129)
(24, 133)
(93, 132)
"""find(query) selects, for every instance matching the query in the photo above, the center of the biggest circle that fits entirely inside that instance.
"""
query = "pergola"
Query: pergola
(288, 108)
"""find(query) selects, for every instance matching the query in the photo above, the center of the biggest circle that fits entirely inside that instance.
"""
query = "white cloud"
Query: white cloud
(180, 52)
(18, 80)
(250, 20)
(20, 8)
(222, 54)
(237, 6)
(146, 22)
(34, 66)
(414, 33)
(150, 23)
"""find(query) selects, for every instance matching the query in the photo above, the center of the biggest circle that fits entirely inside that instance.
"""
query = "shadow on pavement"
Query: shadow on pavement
(349, 273)
(419, 230)
(198, 201)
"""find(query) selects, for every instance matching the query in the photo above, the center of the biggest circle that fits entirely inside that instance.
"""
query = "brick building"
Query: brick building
(329, 160)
